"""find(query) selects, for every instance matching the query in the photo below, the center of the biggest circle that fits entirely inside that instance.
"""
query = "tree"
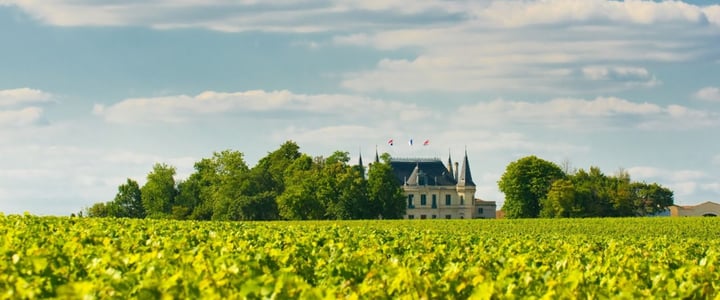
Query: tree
(269, 173)
(129, 200)
(158, 193)
(651, 198)
(299, 200)
(386, 198)
(594, 192)
(98, 210)
(560, 200)
(524, 183)
(228, 175)
(328, 184)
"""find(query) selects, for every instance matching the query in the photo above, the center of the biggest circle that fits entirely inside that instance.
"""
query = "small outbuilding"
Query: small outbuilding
(707, 209)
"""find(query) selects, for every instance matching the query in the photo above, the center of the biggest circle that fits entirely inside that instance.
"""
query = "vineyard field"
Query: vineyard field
(76, 258)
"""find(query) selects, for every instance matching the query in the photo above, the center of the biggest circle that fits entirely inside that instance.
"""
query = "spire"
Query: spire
(450, 165)
(464, 176)
(360, 165)
(377, 157)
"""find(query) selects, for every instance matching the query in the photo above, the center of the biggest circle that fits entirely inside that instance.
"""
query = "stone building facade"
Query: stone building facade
(437, 191)
(707, 209)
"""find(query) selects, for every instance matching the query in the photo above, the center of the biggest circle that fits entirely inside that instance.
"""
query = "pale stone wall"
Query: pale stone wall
(462, 203)
(704, 209)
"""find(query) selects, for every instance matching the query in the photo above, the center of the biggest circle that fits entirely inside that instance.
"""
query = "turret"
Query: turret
(450, 167)
(464, 177)
(361, 166)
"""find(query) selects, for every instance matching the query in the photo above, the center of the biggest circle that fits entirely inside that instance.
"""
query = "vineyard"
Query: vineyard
(55, 257)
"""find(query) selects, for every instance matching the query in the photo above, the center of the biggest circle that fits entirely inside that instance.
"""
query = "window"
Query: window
(423, 199)
(434, 216)
(448, 217)
(410, 201)
(462, 200)
(434, 201)
(448, 200)
(423, 217)
(411, 216)
(480, 210)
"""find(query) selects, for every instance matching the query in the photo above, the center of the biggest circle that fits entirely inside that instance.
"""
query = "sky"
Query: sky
(94, 92)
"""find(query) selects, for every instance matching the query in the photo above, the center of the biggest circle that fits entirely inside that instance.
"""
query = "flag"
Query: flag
(390, 142)
(410, 142)
(426, 142)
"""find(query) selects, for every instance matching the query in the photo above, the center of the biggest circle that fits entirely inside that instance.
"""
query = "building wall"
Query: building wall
(704, 209)
(462, 203)
(485, 209)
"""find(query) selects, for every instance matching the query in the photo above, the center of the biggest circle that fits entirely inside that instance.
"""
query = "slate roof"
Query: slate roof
(431, 171)
(464, 176)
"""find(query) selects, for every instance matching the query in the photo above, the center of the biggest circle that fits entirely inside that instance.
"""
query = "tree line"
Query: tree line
(285, 184)
(535, 187)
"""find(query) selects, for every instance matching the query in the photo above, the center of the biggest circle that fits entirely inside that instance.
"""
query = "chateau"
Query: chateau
(436, 191)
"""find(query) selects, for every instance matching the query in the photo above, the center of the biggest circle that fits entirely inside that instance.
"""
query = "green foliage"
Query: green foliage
(129, 200)
(594, 194)
(525, 184)
(98, 210)
(299, 200)
(385, 195)
(158, 193)
(532, 184)
(630, 258)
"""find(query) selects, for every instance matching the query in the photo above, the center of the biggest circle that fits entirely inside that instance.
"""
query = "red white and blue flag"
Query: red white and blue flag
(390, 142)
(426, 142)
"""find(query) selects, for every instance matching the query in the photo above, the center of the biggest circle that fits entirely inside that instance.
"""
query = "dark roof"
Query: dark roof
(430, 171)
(464, 176)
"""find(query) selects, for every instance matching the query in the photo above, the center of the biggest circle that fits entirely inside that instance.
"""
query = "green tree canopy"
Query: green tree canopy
(385, 195)
(129, 200)
(525, 183)
(158, 193)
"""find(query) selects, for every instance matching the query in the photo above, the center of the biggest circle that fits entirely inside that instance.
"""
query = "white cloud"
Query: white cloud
(542, 46)
(294, 16)
(677, 117)
(645, 172)
(456, 45)
(474, 59)
(21, 117)
(59, 179)
(183, 108)
(526, 13)
(330, 135)
(22, 96)
(712, 12)
(17, 110)
(232, 16)
(683, 189)
(580, 114)
(684, 183)
(560, 112)
(708, 94)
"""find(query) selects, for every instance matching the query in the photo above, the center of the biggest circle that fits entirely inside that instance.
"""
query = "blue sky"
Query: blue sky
(93, 92)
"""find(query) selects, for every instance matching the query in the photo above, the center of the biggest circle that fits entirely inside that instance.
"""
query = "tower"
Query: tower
(465, 185)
